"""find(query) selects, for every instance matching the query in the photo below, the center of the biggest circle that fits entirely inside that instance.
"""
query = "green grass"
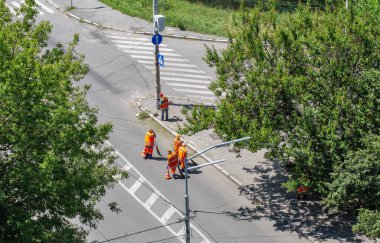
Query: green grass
(196, 17)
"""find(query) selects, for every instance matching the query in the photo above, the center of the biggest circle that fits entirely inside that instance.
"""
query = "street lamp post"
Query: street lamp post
(187, 203)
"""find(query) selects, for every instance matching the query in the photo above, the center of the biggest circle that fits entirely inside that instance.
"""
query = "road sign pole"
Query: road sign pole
(156, 51)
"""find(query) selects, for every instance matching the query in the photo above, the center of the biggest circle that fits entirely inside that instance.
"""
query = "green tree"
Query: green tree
(306, 86)
(54, 166)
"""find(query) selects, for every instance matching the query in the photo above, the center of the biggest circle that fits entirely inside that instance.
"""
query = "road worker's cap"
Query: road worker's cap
(177, 136)
(161, 94)
(151, 130)
(184, 145)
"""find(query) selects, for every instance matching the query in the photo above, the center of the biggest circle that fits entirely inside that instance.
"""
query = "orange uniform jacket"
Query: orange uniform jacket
(149, 139)
(182, 154)
(176, 144)
(173, 161)
(164, 102)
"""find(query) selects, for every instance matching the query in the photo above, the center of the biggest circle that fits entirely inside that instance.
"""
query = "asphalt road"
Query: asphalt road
(152, 207)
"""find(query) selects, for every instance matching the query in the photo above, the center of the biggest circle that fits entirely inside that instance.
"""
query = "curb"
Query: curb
(205, 157)
(184, 37)
(220, 168)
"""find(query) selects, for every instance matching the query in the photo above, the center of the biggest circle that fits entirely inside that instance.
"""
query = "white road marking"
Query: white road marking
(193, 91)
(151, 52)
(200, 97)
(135, 43)
(169, 64)
(10, 9)
(197, 81)
(151, 57)
(164, 73)
(141, 47)
(165, 218)
(47, 9)
(151, 212)
(177, 69)
(151, 200)
(136, 185)
(16, 4)
(158, 193)
(126, 38)
(127, 167)
(188, 85)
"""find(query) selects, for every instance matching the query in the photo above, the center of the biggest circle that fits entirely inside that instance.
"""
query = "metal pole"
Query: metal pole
(187, 206)
(347, 4)
(156, 51)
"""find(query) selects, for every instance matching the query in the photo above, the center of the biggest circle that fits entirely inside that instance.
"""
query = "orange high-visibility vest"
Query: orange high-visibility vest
(149, 139)
(182, 153)
(176, 144)
(173, 160)
(164, 102)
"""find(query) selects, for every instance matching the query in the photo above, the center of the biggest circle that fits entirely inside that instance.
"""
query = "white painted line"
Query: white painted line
(177, 69)
(179, 64)
(135, 43)
(151, 200)
(164, 73)
(158, 193)
(10, 9)
(151, 212)
(165, 218)
(135, 186)
(127, 167)
(47, 9)
(169, 64)
(151, 52)
(194, 91)
(187, 85)
(151, 57)
(142, 47)
(196, 81)
(16, 4)
(126, 38)
(200, 97)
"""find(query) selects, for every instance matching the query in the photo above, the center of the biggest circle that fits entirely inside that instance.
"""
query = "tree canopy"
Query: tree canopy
(306, 86)
(54, 166)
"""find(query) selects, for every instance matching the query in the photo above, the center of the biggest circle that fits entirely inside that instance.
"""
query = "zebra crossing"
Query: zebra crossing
(155, 203)
(178, 72)
(14, 6)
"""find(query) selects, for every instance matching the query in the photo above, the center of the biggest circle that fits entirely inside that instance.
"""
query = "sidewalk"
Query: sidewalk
(258, 179)
(98, 14)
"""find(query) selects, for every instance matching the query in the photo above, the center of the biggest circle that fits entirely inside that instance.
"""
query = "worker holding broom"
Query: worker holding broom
(148, 144)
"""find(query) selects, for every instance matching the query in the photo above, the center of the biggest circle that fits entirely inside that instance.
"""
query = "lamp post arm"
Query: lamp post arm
(203, 165)
(220, 145)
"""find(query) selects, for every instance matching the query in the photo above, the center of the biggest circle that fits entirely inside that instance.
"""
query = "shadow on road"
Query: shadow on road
(306, 217)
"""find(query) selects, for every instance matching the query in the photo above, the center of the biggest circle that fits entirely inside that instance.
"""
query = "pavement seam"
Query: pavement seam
(195, 38)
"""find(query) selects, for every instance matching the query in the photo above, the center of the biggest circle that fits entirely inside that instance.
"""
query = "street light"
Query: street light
(187, 205)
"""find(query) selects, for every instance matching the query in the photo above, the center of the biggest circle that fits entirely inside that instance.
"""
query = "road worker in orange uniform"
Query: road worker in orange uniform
(149, 144)
(164, 106)
(182, 155)
(172, 165)
(177, 142)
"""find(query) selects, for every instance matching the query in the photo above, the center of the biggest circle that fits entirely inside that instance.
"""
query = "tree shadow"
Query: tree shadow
(308, 217)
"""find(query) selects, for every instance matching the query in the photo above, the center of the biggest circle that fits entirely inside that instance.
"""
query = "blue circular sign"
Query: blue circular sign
(157, 39)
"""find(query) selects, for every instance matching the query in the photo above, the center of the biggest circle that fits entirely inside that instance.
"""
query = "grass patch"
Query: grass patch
(143, 115)
(182, 14)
